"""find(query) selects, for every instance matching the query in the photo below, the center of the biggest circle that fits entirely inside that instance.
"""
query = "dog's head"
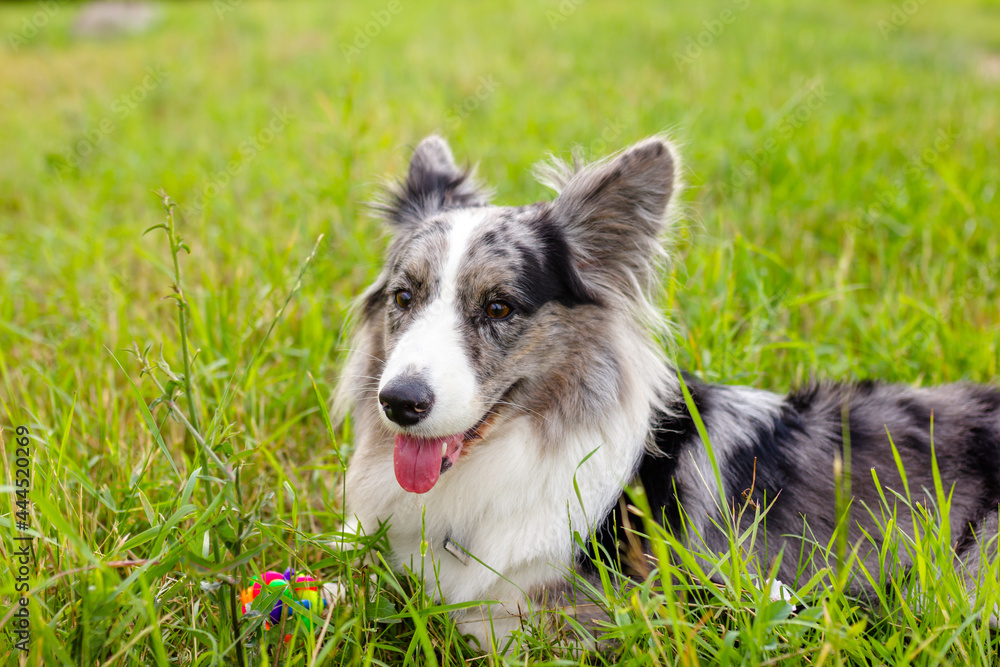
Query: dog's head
(484, 313)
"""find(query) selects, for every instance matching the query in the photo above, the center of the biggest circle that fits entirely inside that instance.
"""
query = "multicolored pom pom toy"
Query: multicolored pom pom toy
(302, 589)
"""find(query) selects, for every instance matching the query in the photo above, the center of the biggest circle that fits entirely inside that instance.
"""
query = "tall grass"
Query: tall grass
(177, 401)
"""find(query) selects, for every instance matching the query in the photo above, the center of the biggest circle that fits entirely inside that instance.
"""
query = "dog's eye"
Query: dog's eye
(498, 310)
(403, 299)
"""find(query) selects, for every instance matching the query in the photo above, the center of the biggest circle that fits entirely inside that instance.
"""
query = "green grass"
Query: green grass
(795, 120)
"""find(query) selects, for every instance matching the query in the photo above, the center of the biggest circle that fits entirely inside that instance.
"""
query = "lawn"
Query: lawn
(842, 220)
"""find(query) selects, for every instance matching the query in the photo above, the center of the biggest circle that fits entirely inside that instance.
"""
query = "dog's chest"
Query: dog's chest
(505, 513)
(462, 552)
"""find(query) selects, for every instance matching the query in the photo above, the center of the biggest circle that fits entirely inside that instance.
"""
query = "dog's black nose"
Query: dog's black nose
(406, 400)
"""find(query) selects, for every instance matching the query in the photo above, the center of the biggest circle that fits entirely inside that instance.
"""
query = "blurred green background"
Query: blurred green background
(841, 221)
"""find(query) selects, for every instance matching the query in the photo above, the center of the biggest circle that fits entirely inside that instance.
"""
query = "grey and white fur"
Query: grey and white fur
(506, 383)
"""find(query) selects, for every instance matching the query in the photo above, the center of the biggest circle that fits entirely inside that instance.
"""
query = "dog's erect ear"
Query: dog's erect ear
(614, 213)
(434, 183)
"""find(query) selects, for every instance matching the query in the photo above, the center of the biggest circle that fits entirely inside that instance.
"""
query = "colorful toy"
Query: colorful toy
(297, 589)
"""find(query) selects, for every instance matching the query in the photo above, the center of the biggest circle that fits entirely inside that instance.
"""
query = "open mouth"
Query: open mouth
(419, 462)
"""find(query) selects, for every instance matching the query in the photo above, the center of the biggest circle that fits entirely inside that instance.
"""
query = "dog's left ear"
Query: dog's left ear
(614, 214)
(434, 183)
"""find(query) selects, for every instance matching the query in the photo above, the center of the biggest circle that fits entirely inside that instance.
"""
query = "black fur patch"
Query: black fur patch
(433, 183)
(760, 464)
(428, 192)
(803, 398)
(655, 472)
(919, 413)
(984, 448)
(984, 462)
(548, 273)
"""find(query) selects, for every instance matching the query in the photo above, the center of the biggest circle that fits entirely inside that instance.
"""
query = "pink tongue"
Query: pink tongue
(417, 461)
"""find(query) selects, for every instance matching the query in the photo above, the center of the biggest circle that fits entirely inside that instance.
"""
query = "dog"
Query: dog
(506, 384)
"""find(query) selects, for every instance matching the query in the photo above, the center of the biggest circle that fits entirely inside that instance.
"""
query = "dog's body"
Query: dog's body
(506, 385)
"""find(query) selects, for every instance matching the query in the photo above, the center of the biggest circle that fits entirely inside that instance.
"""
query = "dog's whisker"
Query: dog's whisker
(370, 384)
(352, 350)
(522, 408)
